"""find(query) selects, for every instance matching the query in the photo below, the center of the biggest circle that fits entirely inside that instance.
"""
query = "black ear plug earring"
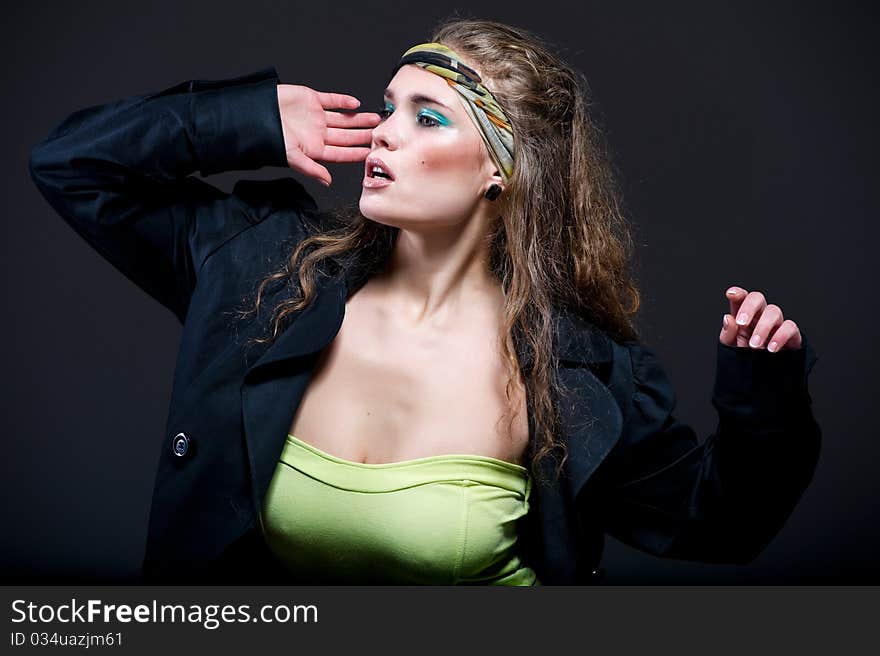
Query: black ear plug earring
(493, 192)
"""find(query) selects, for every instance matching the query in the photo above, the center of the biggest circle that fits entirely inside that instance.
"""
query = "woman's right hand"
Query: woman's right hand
(312, 132)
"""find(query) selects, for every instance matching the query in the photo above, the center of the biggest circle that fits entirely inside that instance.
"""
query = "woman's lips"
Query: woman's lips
(375, 183)
(373, 161)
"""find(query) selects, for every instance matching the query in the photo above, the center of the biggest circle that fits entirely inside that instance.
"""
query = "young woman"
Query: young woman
(443, 385)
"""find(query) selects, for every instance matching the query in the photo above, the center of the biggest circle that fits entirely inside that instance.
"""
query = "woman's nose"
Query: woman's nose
(384, 135)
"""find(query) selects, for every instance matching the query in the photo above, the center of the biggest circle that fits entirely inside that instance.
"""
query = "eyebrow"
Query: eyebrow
(417, 98)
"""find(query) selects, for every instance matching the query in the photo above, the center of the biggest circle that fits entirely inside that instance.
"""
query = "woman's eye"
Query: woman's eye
(430, 118)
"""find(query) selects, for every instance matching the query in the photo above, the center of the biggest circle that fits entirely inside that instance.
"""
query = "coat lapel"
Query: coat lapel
(273, 385)
(591, 417)
(311, 330)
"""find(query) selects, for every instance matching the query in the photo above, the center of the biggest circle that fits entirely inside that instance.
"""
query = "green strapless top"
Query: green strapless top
(439, 520)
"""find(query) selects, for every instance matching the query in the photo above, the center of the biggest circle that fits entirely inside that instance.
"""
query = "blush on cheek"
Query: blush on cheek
(460, 158)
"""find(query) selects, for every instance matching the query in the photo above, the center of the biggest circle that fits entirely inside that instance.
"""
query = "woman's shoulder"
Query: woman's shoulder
(583, 342)
(264, 197)
(630, 369)
(272, 215)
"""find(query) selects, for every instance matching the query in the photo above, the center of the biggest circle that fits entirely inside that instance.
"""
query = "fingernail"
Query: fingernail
(325, 183)
(731, 292)
(755, 340)
(742, 319)
(772, 346)
(725, 321)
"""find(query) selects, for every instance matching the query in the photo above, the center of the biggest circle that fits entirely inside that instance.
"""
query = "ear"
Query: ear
(496, 178)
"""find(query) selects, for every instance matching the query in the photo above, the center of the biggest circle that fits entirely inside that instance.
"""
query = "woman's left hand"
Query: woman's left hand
(757, 323)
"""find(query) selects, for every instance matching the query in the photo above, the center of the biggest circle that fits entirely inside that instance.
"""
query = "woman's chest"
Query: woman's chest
(384, 394)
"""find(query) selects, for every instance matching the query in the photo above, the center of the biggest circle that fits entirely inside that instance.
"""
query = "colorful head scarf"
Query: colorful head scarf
(478, 101)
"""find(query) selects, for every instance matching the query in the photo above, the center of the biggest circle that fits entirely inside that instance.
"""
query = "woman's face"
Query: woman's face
(437, 158)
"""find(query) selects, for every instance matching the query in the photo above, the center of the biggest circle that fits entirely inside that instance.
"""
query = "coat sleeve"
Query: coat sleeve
(724, 500)
(119, 175)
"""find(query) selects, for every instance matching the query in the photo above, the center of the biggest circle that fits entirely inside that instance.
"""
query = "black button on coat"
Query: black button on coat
(119, 175)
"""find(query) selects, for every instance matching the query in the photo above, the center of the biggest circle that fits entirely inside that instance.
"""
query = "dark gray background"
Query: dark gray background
(746, 141)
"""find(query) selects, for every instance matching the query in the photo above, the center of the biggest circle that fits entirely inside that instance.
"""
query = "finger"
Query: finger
(751, 306)
(347, 120)
(769, 319)
(728, 330)
(307, 166)
(743, 333)
(346, 137)
(337, 100)
(344, 154)
(736, 295)
(787, 336)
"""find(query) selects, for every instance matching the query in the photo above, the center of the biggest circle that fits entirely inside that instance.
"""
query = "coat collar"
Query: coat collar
(312, 329)
(580, 342)
(592, 419)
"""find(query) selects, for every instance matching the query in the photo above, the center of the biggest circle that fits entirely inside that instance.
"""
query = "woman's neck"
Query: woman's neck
(438, 275)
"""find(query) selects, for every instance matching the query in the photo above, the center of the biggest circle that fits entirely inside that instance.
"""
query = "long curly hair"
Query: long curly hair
(560, 242)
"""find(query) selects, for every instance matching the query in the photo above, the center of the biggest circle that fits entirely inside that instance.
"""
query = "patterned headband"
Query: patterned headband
(478, 101)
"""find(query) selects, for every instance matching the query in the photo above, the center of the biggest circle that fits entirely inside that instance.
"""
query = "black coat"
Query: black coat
(119, 174)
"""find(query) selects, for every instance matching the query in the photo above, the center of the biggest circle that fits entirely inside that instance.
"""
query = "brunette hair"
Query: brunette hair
(561, 240)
